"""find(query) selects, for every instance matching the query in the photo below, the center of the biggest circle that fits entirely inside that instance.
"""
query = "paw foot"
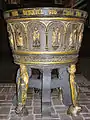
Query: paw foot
(74, 110)
(21, 110)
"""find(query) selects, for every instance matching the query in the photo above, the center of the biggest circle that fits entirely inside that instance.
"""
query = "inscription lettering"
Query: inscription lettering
(52, 12)
(14, 13)
(68, 12)
(78, 14)
(39, 11)
(33, 12)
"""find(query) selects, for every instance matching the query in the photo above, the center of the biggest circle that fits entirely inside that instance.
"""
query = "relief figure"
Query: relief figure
(79, 37)
(55, 37)
(36, 37)
(11, 40)
(73, 38)
(19, 38)
(80, 34)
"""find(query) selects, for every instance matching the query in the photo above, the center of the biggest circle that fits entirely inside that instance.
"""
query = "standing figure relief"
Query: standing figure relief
(19, 36)
(36, 37)
(73, 38)
(10, 36)
(80, 34)
(11, 40)
(19, 39)
(55, 37)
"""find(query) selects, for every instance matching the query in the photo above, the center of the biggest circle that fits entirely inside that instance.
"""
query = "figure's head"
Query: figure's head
(73, 68)
(53, 29)
(23, 68)
(36, 28)
(57, 28)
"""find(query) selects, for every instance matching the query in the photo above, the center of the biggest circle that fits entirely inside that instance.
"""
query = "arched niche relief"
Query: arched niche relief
(11, 35)
(71, 36)
(20, 36)
(55, 35)
(80, 35)
(36, 35)
(74, 35)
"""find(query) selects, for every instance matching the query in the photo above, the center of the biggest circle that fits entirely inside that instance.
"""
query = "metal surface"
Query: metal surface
(46, 38)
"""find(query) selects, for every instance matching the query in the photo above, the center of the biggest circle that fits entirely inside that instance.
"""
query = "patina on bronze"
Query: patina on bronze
(45, 38)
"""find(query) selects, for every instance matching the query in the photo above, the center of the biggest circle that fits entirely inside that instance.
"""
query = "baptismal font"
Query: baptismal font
(46, 38)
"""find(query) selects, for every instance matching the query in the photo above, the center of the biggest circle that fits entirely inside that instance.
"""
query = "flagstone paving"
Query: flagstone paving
(33, 104)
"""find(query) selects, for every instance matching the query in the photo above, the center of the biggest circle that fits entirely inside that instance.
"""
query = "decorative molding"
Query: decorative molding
(44, 12)
(48, 40)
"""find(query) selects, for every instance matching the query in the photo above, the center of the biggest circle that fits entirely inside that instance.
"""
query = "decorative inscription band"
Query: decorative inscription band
(45, 12)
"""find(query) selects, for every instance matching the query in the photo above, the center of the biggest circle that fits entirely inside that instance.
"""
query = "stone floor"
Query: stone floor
(7, 92)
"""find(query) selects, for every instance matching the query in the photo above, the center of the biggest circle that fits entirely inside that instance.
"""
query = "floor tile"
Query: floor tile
(33, 104)
(4, 110)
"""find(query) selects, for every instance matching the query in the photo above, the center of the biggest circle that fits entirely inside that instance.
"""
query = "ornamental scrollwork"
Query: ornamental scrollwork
(40, 58)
